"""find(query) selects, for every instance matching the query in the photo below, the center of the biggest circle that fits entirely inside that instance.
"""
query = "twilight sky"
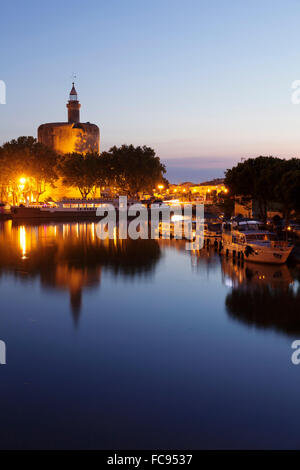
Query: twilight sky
(203, 82)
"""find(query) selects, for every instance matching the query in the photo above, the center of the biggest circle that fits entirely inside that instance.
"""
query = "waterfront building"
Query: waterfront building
(68, 137)
(73, 135)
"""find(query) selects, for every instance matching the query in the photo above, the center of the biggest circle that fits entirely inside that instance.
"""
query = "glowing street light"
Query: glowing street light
(22, 182)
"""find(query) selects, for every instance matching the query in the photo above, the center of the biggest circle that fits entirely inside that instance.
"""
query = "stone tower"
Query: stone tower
(71, 136)
(73, 106)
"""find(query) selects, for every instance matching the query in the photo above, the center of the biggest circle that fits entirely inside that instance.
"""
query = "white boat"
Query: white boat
(211, 231)
(64, 209)
(246, 240)
(178, 227)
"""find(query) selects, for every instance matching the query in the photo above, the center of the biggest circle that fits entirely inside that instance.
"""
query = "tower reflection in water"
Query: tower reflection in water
(70, 257)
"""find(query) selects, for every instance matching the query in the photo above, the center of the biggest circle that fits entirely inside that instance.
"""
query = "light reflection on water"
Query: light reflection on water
(70, 257)
(167, 348)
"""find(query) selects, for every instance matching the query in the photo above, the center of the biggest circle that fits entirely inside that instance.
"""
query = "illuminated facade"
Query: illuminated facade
(71, 136)
(203, 191)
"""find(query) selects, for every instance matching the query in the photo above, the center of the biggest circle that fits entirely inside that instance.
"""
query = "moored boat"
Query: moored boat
(65, 209)
(248, 241)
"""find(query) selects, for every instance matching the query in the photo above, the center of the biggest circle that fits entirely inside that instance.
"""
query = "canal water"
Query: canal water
(126, 344)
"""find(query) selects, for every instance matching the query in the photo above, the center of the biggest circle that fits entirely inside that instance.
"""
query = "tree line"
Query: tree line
(267, 180)
(131, 170)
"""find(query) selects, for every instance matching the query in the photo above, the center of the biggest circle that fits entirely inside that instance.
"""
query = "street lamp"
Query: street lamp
(22, 182)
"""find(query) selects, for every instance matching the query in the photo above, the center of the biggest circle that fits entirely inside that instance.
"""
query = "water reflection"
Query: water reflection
(152, 353)
(70, 256)
(207, 259)
(264, 296)
(252, 276)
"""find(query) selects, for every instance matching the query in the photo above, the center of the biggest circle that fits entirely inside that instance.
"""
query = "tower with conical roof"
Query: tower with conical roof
(73, 106)
(71, 136)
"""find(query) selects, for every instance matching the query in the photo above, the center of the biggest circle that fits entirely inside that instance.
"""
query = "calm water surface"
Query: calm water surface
(142, 344)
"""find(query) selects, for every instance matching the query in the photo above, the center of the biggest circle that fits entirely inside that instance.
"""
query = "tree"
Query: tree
(80, 171)
(267, 180)
(26, 158)
(14, 157)
(255, 179)
(4, 177)
(133, 169)
(42, 168)
(287, 189)
(226, 204)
